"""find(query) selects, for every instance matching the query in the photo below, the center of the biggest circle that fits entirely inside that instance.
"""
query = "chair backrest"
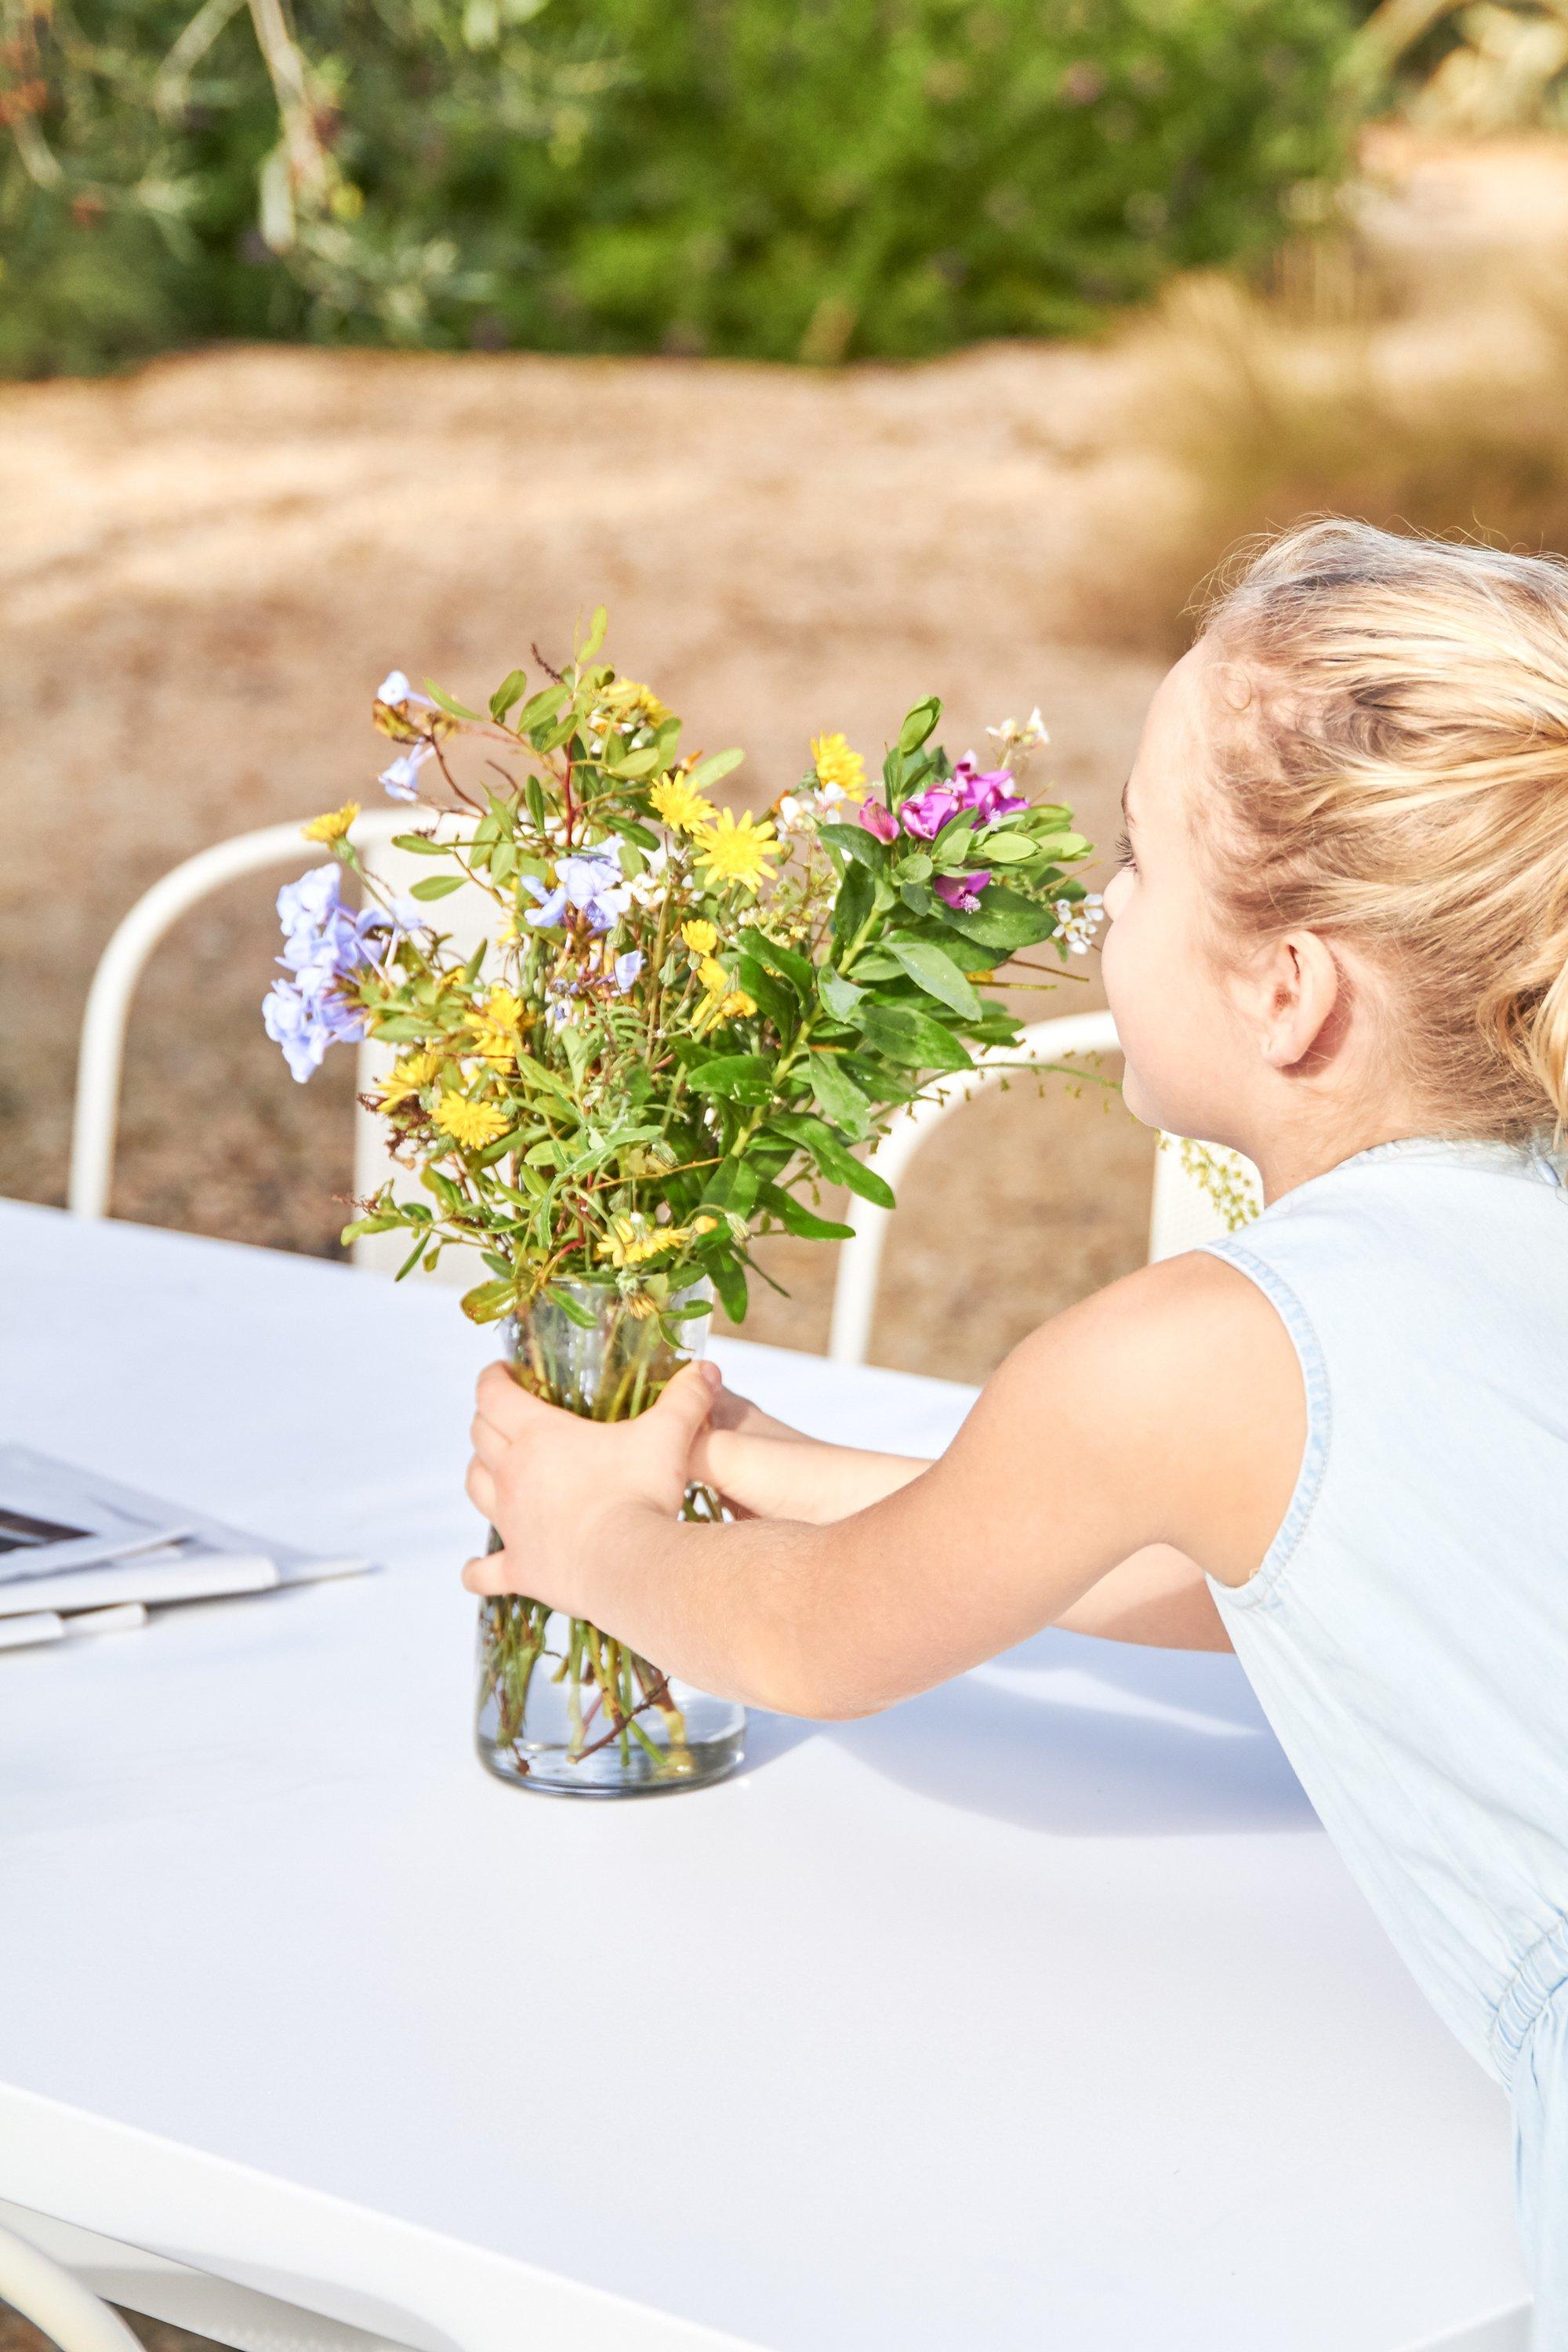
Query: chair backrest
(1183, 1211)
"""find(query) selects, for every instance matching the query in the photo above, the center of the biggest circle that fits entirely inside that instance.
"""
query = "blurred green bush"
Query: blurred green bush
(775, 179)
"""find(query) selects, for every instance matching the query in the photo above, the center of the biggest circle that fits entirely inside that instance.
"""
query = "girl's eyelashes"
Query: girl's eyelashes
(1124, 856)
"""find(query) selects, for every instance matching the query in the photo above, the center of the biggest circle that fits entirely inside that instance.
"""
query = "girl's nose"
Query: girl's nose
(1116, 891)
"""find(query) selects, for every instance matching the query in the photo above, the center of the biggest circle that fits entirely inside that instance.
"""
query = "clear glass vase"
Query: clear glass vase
(564, 1708)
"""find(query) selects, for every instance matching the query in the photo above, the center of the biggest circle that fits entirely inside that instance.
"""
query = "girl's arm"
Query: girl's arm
(1167, 1409)
(767, 1470)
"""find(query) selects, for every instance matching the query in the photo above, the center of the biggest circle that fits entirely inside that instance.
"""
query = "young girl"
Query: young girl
(1339, 944)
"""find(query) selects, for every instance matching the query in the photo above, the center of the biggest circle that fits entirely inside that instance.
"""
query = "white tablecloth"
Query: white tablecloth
(1036, 2013)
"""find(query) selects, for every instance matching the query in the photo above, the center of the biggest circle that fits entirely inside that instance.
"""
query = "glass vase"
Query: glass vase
(564, 1708)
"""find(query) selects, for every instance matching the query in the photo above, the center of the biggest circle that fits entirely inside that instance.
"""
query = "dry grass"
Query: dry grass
(1362, 382)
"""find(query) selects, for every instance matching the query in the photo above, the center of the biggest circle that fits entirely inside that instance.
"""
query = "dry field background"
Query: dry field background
(205, 567)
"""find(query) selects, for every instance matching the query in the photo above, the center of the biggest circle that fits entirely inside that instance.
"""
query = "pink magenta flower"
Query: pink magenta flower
(988, 791)
(925, 815)
(878, 818)
(961, 891)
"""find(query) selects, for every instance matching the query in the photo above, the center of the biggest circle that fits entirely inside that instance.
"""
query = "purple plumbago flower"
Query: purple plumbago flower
(961, 891)
(402, 778)
(592, 884)
(628, 967)
(925, 815)
(324, 943)
(878, 818)
(305, 1020)
(988, 791)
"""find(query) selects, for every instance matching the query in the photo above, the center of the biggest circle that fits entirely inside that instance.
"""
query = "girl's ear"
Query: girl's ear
(1292, 997)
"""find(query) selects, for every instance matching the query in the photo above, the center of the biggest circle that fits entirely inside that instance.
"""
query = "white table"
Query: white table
(1036, 2014)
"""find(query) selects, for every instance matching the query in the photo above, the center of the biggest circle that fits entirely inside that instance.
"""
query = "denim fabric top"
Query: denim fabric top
(1407, 1633)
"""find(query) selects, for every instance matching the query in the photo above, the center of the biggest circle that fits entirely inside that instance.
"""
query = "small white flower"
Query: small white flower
(396, 691)
(1077, 921)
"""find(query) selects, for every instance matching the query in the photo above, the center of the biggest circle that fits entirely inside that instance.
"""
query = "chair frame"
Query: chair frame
(55, 2302)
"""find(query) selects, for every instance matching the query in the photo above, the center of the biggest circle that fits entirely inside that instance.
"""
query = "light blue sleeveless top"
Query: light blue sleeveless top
(1407, 1633)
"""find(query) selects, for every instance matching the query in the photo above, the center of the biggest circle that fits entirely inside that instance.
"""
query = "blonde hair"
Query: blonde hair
(1394, 749)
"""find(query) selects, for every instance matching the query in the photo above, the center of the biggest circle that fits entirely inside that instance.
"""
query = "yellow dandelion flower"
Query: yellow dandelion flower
(333, 826)
(681, 808)
(704, 1222)
(699, 937)
(628, 1242)
(836, 763)
(737, 849)
(470, 1124)
(737, 1006)
(630, 699)
(713, 976)
(408, 1077)
(639, 1306)
(502, 1009)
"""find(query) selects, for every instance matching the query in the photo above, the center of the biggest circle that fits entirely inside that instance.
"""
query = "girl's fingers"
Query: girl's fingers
(480, 1488)
(487, 1442)
(502, 1401)
(491, 1575)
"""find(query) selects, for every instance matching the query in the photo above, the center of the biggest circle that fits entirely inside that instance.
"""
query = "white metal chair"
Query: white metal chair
(59, 2305)
(1182, 1213)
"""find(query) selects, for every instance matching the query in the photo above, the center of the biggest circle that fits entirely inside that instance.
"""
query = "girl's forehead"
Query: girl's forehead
(1171, 755)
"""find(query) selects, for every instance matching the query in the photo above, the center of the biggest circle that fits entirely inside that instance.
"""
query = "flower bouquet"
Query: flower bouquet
(679, 1025)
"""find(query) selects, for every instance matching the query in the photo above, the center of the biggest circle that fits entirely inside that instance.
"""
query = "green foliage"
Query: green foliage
(778, 179)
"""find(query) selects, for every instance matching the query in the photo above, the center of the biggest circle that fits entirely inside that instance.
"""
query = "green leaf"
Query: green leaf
(1009, 848)
(418, 846)
(488, 1300)
(708, 771)
(789, 964)
(509, 691)
(1004, 920)
(919, 724)
(738, 1077)
(840, 1096)
(402, 1028)
(853, 842)
(937, 974)
(856, 896)
(730, 1282)
(595, 637)
(552, 1083)
(454, 709)
(841, 997)
(574, 1309)
(796, 1218)
(541, 706)
(916, 868)
(732, 1186)
(839, 1166)
(770, 996)
(384, 1224)
(535, 799)
(912, 1038)
(437, 886)
(636, 763)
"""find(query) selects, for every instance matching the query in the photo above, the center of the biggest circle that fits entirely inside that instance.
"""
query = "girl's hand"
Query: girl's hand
(549, 1481)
